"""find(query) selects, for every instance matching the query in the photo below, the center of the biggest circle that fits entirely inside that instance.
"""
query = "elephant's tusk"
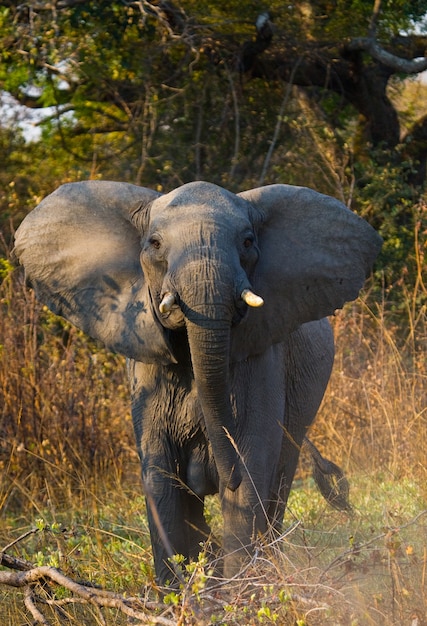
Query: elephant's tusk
(251, 298)
(167, 302)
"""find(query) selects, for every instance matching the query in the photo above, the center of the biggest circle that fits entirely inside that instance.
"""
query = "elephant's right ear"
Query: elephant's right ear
(80, 248)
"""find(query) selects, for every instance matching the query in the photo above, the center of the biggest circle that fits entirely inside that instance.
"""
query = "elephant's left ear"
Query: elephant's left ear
(80, 248)
(315, 255)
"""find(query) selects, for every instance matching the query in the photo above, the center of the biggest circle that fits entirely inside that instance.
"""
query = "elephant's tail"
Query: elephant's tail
(329, 478)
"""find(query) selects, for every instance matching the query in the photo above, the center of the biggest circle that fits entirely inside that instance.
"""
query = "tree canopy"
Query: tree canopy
(166, 91)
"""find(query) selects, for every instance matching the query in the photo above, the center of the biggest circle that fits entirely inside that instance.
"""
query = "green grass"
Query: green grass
(329, 568)
(376, 558)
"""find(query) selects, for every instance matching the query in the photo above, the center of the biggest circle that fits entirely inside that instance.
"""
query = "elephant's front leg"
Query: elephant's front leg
(165, 431)
(175, 517)
(258, 387)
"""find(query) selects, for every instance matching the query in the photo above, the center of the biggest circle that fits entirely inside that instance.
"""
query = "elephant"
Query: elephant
(220, 302)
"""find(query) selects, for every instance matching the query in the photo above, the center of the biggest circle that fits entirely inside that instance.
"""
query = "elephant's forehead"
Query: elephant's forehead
(199, 201)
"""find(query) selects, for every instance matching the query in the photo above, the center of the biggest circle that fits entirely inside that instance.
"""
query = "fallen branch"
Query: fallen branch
(101, 598)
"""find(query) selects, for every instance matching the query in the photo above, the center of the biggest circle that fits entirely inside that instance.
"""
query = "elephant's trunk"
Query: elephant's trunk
(209, 342)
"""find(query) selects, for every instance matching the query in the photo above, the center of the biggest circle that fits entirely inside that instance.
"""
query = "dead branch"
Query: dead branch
(100, 598)
(13, 562)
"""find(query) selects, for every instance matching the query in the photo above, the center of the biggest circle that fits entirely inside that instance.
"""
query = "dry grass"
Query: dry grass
(375, 412)
(67, 456)
(65, 426)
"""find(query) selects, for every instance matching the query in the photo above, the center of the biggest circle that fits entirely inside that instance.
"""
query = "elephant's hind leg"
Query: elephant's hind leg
(309, 358)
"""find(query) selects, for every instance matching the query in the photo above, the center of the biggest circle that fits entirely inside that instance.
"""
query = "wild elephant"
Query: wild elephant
(219, 301)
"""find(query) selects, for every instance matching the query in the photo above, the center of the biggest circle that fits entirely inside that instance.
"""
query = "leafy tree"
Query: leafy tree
(132, 71)
(161, 92)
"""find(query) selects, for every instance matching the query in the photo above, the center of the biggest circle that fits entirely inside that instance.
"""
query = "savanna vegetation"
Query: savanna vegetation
(327, 94)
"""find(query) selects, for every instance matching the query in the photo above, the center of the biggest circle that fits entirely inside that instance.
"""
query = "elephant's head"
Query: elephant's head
(136, 269)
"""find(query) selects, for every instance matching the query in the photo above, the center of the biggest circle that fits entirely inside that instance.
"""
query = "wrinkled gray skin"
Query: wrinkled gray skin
(222, 393)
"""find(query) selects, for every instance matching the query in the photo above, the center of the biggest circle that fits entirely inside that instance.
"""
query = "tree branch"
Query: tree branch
(253, 48)
(30, 578)
(85, 595)
(409, 46)
(393, 62)
(13, 562)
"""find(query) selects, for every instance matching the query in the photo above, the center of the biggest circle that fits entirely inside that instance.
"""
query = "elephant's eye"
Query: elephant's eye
(248, 242)
(155, 242)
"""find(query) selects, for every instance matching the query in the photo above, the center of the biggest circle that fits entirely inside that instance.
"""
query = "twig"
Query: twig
(374, 540)
(29, 603)
(33, 531)
(235, 157)
(283, 106)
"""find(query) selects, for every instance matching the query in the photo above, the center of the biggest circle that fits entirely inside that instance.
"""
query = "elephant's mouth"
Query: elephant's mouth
(240, 313)
(170, 314)
(170, 317)
(174, 318)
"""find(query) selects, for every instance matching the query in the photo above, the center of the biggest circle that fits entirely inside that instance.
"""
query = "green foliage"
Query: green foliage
(395, 208)
(158, 103)
(350, 19)
(136, 101)
(6, 269)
